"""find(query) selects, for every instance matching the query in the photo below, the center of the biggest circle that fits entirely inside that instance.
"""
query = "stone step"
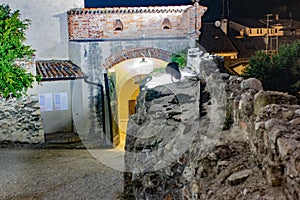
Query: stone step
(72, 140)
(62, 138)
(76, 145)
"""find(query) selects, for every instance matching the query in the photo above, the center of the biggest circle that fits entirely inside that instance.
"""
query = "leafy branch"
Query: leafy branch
(14, 80)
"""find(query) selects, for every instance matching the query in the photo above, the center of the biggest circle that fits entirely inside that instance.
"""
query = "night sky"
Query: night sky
(110, 3)
(210, 15)
(238, 8)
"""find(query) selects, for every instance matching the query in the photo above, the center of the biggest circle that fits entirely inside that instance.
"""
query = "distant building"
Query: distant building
(246, 47)
(289, 26)
(250, 35)
(215, 41)
(255, 28)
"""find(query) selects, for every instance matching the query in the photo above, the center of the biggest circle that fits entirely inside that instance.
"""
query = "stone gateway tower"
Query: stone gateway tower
(113, 41)
(108, 42)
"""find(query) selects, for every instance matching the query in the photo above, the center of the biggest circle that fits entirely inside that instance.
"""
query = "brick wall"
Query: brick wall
(137, 52)
(135, 22)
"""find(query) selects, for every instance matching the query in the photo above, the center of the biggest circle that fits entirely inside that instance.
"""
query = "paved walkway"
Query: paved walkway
(29, 174)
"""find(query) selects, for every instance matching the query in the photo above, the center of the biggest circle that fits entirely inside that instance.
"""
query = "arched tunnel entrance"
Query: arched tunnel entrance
(125, 78)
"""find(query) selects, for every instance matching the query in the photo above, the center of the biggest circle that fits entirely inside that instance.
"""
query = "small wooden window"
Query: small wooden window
(118, 26)
(166, 24)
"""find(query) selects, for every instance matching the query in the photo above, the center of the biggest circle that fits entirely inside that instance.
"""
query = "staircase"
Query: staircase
(69, 140)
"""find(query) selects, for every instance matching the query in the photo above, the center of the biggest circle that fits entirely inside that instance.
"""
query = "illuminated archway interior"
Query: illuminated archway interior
(127, 75)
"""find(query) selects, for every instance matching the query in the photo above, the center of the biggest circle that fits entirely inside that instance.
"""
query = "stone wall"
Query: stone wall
(272, 122)
(135, 22)
(20, 120)
(254, 156)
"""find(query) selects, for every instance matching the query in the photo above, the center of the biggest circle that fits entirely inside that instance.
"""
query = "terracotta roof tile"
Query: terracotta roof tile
(53, 70)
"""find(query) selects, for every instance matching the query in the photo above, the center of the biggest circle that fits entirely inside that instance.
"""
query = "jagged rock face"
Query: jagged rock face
(168, 117)
(271, 122)
(172, 153)
(264, 98)
(159, 135)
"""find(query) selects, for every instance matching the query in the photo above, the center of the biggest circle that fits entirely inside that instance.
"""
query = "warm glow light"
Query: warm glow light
(142, 66)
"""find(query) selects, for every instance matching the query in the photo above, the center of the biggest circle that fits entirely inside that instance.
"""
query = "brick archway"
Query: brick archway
(135, 53)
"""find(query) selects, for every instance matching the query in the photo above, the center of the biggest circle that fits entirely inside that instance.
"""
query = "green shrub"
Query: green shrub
(280, 72)
(180, 58)
(14, 80)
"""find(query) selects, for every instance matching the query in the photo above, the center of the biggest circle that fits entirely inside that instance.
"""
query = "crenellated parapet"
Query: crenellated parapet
(135, 22)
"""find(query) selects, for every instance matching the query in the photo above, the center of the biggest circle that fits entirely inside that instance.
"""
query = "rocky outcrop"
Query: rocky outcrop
(20, 120)
(159, 135)
(271, 121)
(172, 153)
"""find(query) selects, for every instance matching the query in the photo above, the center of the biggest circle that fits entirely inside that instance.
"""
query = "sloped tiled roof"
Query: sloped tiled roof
(251, 23)
(54, 70)
(214, 40)
(247, 46)
(149, 9)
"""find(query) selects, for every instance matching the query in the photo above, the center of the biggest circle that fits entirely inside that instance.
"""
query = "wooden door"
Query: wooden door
(131, 107)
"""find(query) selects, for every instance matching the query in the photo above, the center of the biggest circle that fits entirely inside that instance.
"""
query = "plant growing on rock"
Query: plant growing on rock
(180, 58)
(14, 80)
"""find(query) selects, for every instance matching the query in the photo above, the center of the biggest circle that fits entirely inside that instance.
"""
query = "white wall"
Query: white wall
(48, 32)
(57, 120)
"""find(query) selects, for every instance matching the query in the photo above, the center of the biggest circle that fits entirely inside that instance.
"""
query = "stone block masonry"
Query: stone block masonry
(20, 120)
(272, 122)
(135, 22)
(257, 158)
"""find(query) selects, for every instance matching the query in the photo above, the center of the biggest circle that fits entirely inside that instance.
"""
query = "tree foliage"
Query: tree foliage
(280, 72)
(14, 80)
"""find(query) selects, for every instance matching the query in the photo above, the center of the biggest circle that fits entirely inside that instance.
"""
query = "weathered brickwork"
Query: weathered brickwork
(137, 52)
(135, 22)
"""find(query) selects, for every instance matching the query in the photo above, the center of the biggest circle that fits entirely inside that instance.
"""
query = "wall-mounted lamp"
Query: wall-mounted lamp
(143, 59)
(173, 69)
